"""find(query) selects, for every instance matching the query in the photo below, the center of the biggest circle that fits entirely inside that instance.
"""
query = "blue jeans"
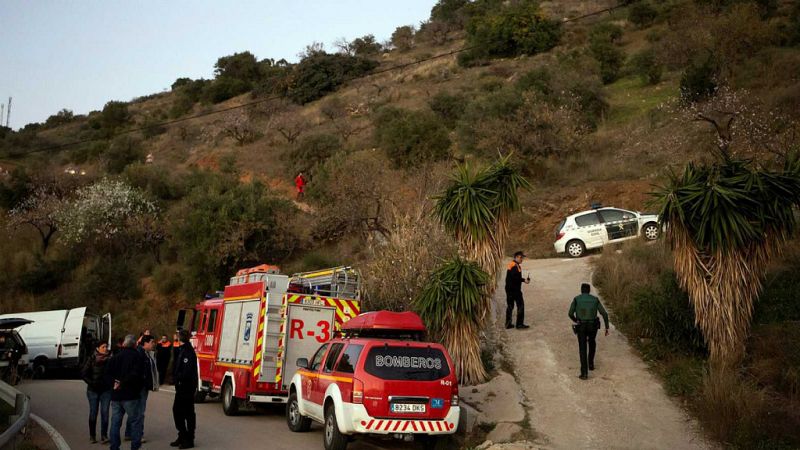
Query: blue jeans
(98, 402)
(118, 410)
(139, 413)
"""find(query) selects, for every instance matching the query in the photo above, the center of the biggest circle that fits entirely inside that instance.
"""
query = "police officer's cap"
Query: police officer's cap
(520, 253)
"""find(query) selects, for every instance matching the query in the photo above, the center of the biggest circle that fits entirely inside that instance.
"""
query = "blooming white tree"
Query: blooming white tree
(103, 211)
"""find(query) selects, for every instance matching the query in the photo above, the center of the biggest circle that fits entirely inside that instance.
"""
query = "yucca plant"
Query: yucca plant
(452, 304)
(725, 222)
(476, 207)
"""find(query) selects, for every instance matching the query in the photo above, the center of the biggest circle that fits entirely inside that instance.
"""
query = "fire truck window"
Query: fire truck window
(317, 359)
(407, 363)
(212, 320)
(333, 355)
(349, 359)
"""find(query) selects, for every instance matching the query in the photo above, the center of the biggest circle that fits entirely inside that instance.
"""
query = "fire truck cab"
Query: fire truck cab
(245, 334)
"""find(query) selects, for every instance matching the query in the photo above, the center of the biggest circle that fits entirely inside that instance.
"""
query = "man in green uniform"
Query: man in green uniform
(583, 312)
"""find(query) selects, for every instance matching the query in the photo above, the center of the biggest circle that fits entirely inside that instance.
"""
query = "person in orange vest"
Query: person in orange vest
(514, 282)
(300, 185)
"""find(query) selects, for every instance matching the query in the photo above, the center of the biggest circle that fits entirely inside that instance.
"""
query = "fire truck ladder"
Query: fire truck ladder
(339, 282)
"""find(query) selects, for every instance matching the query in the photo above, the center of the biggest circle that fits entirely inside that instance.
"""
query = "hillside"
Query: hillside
(594, 110)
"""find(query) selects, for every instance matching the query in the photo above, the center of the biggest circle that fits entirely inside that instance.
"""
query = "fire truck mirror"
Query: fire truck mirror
(302, 363)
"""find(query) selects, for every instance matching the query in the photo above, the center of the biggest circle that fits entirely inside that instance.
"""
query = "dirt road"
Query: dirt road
(621, 406)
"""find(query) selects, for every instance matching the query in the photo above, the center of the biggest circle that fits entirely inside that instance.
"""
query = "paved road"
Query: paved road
(621, 406)
(63, 404)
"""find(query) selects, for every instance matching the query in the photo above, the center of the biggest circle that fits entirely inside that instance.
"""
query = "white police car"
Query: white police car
(600, 226)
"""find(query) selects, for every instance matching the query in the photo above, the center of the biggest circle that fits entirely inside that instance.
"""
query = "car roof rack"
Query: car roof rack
(385, 324)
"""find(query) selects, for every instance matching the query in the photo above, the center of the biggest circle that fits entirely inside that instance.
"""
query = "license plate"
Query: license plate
(408, 408)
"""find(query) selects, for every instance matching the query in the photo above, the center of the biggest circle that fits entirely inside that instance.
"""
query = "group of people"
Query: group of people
(120, 382)
(582, 311)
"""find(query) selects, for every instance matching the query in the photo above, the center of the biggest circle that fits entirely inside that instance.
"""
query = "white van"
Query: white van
(61, 338)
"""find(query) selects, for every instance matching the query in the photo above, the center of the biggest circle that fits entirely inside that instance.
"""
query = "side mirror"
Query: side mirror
(302, 363)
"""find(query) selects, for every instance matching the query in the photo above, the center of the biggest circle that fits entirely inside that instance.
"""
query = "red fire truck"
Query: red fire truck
(245, 336)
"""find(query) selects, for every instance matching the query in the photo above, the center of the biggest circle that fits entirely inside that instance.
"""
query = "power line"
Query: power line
(282, 96)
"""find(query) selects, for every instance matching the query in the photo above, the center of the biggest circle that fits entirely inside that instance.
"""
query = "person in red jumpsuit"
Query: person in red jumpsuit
(300, 185)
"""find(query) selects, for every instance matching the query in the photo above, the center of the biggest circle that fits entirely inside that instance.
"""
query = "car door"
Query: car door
(326, 374)
(591, 230)
(312, 373)
(619, 224)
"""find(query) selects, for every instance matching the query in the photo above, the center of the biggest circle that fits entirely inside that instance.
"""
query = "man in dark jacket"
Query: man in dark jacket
(514, 282)
(163, 355)
(125, 372)
(186, 381)
(150, 383)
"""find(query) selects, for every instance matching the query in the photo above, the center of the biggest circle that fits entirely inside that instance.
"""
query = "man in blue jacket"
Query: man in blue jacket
(126, 374)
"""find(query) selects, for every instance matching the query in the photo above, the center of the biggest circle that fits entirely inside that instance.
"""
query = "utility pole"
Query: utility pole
(8, 112)
(2, 110)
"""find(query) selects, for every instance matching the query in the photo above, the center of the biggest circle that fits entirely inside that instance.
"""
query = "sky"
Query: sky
(80, 54)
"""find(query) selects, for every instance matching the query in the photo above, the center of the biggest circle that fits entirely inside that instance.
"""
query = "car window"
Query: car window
(333, 355)
(350, 358)
(612, 215)
(586, 220)
(212, 320)
(406, 363)
(317, 359)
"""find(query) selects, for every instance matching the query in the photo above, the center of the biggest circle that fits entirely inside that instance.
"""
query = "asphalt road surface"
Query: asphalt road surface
(63, 404)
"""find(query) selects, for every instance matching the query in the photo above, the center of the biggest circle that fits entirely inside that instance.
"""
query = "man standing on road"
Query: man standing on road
(583, 313)
(186, 381)
(151, 383)
(125, 372)
(514, 282)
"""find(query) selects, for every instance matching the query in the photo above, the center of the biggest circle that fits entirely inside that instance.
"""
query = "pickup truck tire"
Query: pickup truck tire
(334, 439)
(40, 367)
(230, 404)
(296, 421)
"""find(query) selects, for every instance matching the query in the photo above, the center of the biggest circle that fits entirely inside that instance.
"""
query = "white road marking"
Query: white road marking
(58, 440)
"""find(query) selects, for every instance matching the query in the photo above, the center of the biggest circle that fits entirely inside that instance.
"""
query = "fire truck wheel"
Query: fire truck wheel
(334, 439)
(230, 404)
(296, 421)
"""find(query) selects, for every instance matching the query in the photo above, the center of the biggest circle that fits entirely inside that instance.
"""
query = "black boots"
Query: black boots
(182, 442)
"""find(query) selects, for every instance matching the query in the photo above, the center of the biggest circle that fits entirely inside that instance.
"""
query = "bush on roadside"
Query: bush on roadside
(411, 138)
(647, 67)
(699, 81)
(320, 73)
(449, 107)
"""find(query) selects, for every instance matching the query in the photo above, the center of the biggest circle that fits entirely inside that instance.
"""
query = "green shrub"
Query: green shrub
(513, 29)
(44, 276)
(647, 67)
(606, 31)
(320, 74)
(122, 151)
(239, 66)
(224, 88)
(537, 80)
(699, 81)
(114, 116)
(403, 38)
(313, 150)
(156, 181)
(642, 14)
(411, 138)
(449, 107)
(14, 188)
(610, 57)
(181, 106)
(317, 259)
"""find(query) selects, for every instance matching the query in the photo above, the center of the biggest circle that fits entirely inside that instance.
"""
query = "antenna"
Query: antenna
(8, 112)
